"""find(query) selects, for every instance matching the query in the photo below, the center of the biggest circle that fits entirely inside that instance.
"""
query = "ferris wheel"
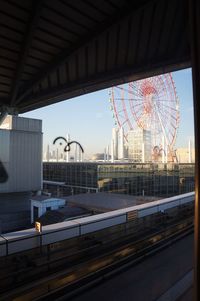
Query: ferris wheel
(150, 104)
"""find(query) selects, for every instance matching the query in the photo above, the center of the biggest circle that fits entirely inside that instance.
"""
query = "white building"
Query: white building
(139, 145)
(21, 154)
(41, 204)
(21, 157)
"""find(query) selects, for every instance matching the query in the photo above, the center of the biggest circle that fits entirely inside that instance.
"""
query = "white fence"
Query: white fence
(15, 242)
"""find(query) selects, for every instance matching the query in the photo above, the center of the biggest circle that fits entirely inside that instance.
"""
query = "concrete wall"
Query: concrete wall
(21, 154)
(15, 211)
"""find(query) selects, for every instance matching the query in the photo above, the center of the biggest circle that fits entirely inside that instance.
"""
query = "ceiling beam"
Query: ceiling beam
(102, 81)
(66, 54)
(24, 51)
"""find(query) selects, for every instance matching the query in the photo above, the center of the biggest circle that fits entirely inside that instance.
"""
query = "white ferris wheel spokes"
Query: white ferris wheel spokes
(150, 104)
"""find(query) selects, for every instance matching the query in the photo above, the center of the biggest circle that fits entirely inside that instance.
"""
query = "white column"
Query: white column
(104, 157)
(107, 153)
(189, 152)
(68, 153)
(112, 150)
(57, 155)
(166, 153)
(163, 151)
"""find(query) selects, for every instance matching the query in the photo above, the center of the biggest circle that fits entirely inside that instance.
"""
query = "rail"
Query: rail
(19, 241)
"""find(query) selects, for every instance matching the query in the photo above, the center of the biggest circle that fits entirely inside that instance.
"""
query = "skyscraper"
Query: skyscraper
(48, 153)
(114, 145)
(139, 145)
(121, 143)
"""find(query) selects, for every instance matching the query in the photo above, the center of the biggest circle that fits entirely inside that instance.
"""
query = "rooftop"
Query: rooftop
(104, 202)
(43, 198)
(63, 214)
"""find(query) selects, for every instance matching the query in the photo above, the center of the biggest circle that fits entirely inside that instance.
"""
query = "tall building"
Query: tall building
(48, 154)
(139, 145)
(114, 145)
(121, 143)
(21, 156)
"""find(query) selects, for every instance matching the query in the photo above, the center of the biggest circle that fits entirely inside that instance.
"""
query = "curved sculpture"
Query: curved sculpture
(60, 137)
(67, 147)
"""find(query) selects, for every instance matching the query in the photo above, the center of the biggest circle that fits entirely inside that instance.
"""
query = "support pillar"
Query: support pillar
(194, 18)
(3, 115)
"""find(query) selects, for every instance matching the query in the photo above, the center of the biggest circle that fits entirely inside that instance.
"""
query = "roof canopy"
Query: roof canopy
(53, 50)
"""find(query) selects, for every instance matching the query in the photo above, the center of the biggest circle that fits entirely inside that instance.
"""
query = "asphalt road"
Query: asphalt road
(147, 280)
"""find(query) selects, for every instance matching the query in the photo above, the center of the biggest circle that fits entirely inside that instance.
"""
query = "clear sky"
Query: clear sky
(89, 120)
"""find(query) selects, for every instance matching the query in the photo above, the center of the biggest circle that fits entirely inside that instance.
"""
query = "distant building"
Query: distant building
(139, 145)
(63, 179)
(185, 155)
(98, 157)
(117, 145)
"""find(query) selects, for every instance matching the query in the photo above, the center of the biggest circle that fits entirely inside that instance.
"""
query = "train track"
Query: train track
(70, 281)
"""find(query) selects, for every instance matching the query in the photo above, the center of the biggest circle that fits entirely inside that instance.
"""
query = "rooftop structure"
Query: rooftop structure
(41, 204)
(103, 202)
(49, 210)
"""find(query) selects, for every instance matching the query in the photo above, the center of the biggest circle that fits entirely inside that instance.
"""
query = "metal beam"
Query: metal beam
(100, 81)
(35, 14)
(66, 54)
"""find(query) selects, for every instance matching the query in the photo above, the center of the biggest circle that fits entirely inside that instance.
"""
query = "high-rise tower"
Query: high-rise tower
(139, 145)
(114, 145)
(121, 143)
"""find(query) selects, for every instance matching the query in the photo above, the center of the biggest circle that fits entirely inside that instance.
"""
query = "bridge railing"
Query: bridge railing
(19, 241)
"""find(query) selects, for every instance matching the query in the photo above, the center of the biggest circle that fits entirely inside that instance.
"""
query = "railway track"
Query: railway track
(71, 280)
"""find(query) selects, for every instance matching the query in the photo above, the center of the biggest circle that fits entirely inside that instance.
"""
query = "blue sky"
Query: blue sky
(88, 118)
